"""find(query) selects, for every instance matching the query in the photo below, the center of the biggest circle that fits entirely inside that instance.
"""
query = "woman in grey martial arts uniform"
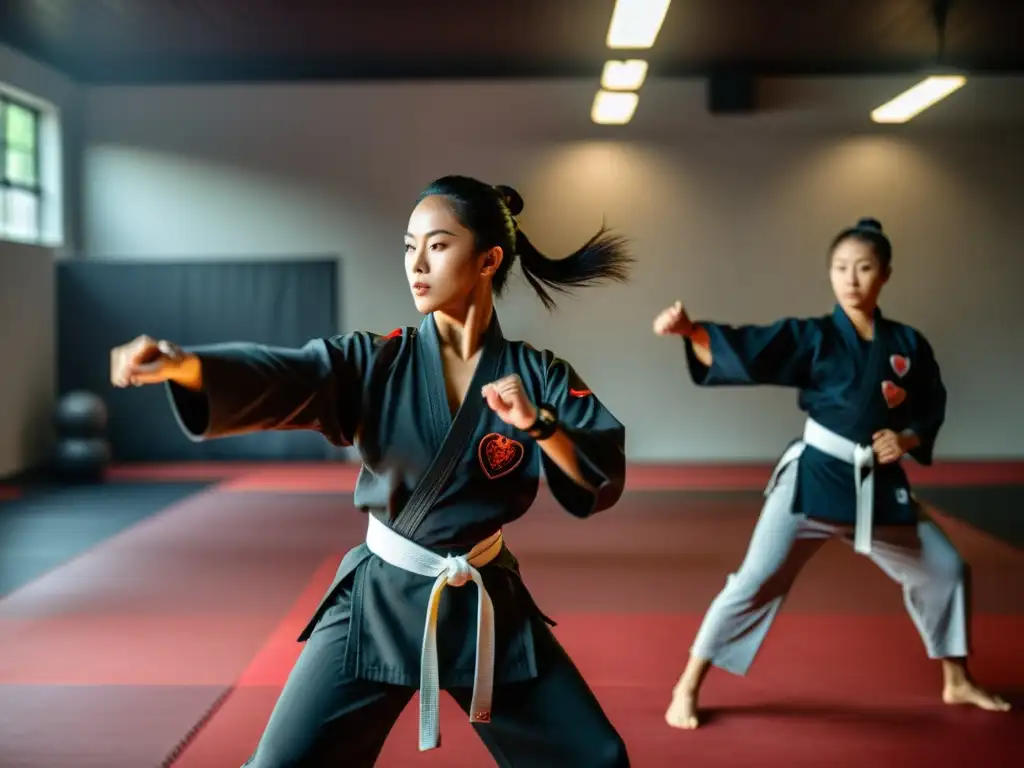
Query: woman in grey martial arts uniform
(873, 393)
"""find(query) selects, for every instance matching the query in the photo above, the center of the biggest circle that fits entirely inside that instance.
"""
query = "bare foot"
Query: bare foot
(682, 712)
(966, 692)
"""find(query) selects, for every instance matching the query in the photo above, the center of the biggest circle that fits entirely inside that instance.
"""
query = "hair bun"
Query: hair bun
(513, 199)
(868, 223)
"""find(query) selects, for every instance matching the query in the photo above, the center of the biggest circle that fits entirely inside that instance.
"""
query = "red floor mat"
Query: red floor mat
(671, 553)
(754, 476)
(190, 470)
(96, 726)
(856, 683)
(327, 478)
(184, 600)
(213, 591)
(281, 649)
(855, 686)
(341, 477)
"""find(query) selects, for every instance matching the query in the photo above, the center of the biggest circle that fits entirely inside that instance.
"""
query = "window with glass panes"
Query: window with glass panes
(20, 193)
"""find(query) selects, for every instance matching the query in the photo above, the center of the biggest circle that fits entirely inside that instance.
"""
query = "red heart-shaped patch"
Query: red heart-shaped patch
(499, 455)
(894, 395)
(900, 365)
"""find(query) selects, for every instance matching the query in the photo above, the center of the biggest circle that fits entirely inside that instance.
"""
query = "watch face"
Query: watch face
(545, 421)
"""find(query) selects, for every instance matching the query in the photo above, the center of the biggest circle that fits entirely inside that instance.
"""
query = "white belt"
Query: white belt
(393, 548)
(862, 457)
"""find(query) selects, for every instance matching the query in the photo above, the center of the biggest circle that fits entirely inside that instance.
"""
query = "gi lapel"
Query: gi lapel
(867, 403)
(455, 433)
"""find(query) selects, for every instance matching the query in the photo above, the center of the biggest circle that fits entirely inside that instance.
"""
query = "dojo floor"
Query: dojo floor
(151, 621)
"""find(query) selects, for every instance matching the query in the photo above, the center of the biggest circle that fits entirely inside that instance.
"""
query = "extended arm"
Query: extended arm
(244, 388)
(233, 389)
(716, 354)
(779, 354)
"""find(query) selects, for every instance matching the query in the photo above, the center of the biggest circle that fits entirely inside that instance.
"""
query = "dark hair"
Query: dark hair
(867, 231)
(489, 213)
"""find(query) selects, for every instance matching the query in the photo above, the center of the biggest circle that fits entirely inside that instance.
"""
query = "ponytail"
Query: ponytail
(603, 257)
(490, 213)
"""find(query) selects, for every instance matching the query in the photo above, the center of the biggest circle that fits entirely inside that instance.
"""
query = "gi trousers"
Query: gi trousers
(920, 558)
(323, 720)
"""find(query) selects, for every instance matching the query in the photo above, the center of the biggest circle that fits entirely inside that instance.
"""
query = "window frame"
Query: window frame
(36, 189)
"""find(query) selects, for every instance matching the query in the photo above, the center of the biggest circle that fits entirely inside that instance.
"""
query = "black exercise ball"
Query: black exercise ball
(81, 414)
(82, 460)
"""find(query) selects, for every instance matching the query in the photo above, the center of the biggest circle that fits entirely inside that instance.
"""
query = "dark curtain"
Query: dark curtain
(104, 304)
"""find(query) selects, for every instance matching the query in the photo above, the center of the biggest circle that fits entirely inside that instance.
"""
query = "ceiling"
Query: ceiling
(153, 41)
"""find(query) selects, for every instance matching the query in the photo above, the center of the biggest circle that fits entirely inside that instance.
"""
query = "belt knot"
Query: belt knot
(457, 570)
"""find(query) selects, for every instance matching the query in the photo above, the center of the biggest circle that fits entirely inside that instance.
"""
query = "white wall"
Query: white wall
(731, 215)
(27, 285)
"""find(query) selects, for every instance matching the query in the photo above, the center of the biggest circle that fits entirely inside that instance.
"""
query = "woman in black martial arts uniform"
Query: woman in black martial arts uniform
(873, 393)
(454, 424)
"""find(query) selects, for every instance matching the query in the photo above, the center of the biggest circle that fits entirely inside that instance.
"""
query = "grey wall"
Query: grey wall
(730, 215)
(27, 304)
(27, 351)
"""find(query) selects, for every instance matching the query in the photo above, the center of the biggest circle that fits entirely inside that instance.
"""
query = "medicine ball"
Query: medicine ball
(81, 414)
(82, 460)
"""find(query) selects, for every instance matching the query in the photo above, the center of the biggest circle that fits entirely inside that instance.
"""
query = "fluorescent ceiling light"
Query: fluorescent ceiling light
(916, 100)
(636, 23)
(613, 107)
(624, 75)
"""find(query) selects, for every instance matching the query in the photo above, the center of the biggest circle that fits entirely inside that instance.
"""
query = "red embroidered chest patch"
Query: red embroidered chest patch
(900, 365)
(499, 455)
(894, 394)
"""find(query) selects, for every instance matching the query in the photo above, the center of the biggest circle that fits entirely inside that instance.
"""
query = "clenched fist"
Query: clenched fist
(507, 398)
(148, 361)
(673, 321)
(888, 446)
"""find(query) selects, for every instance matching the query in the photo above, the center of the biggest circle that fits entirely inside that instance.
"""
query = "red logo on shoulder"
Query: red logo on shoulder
(580, 392)
(499, 455)
(394, 334)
